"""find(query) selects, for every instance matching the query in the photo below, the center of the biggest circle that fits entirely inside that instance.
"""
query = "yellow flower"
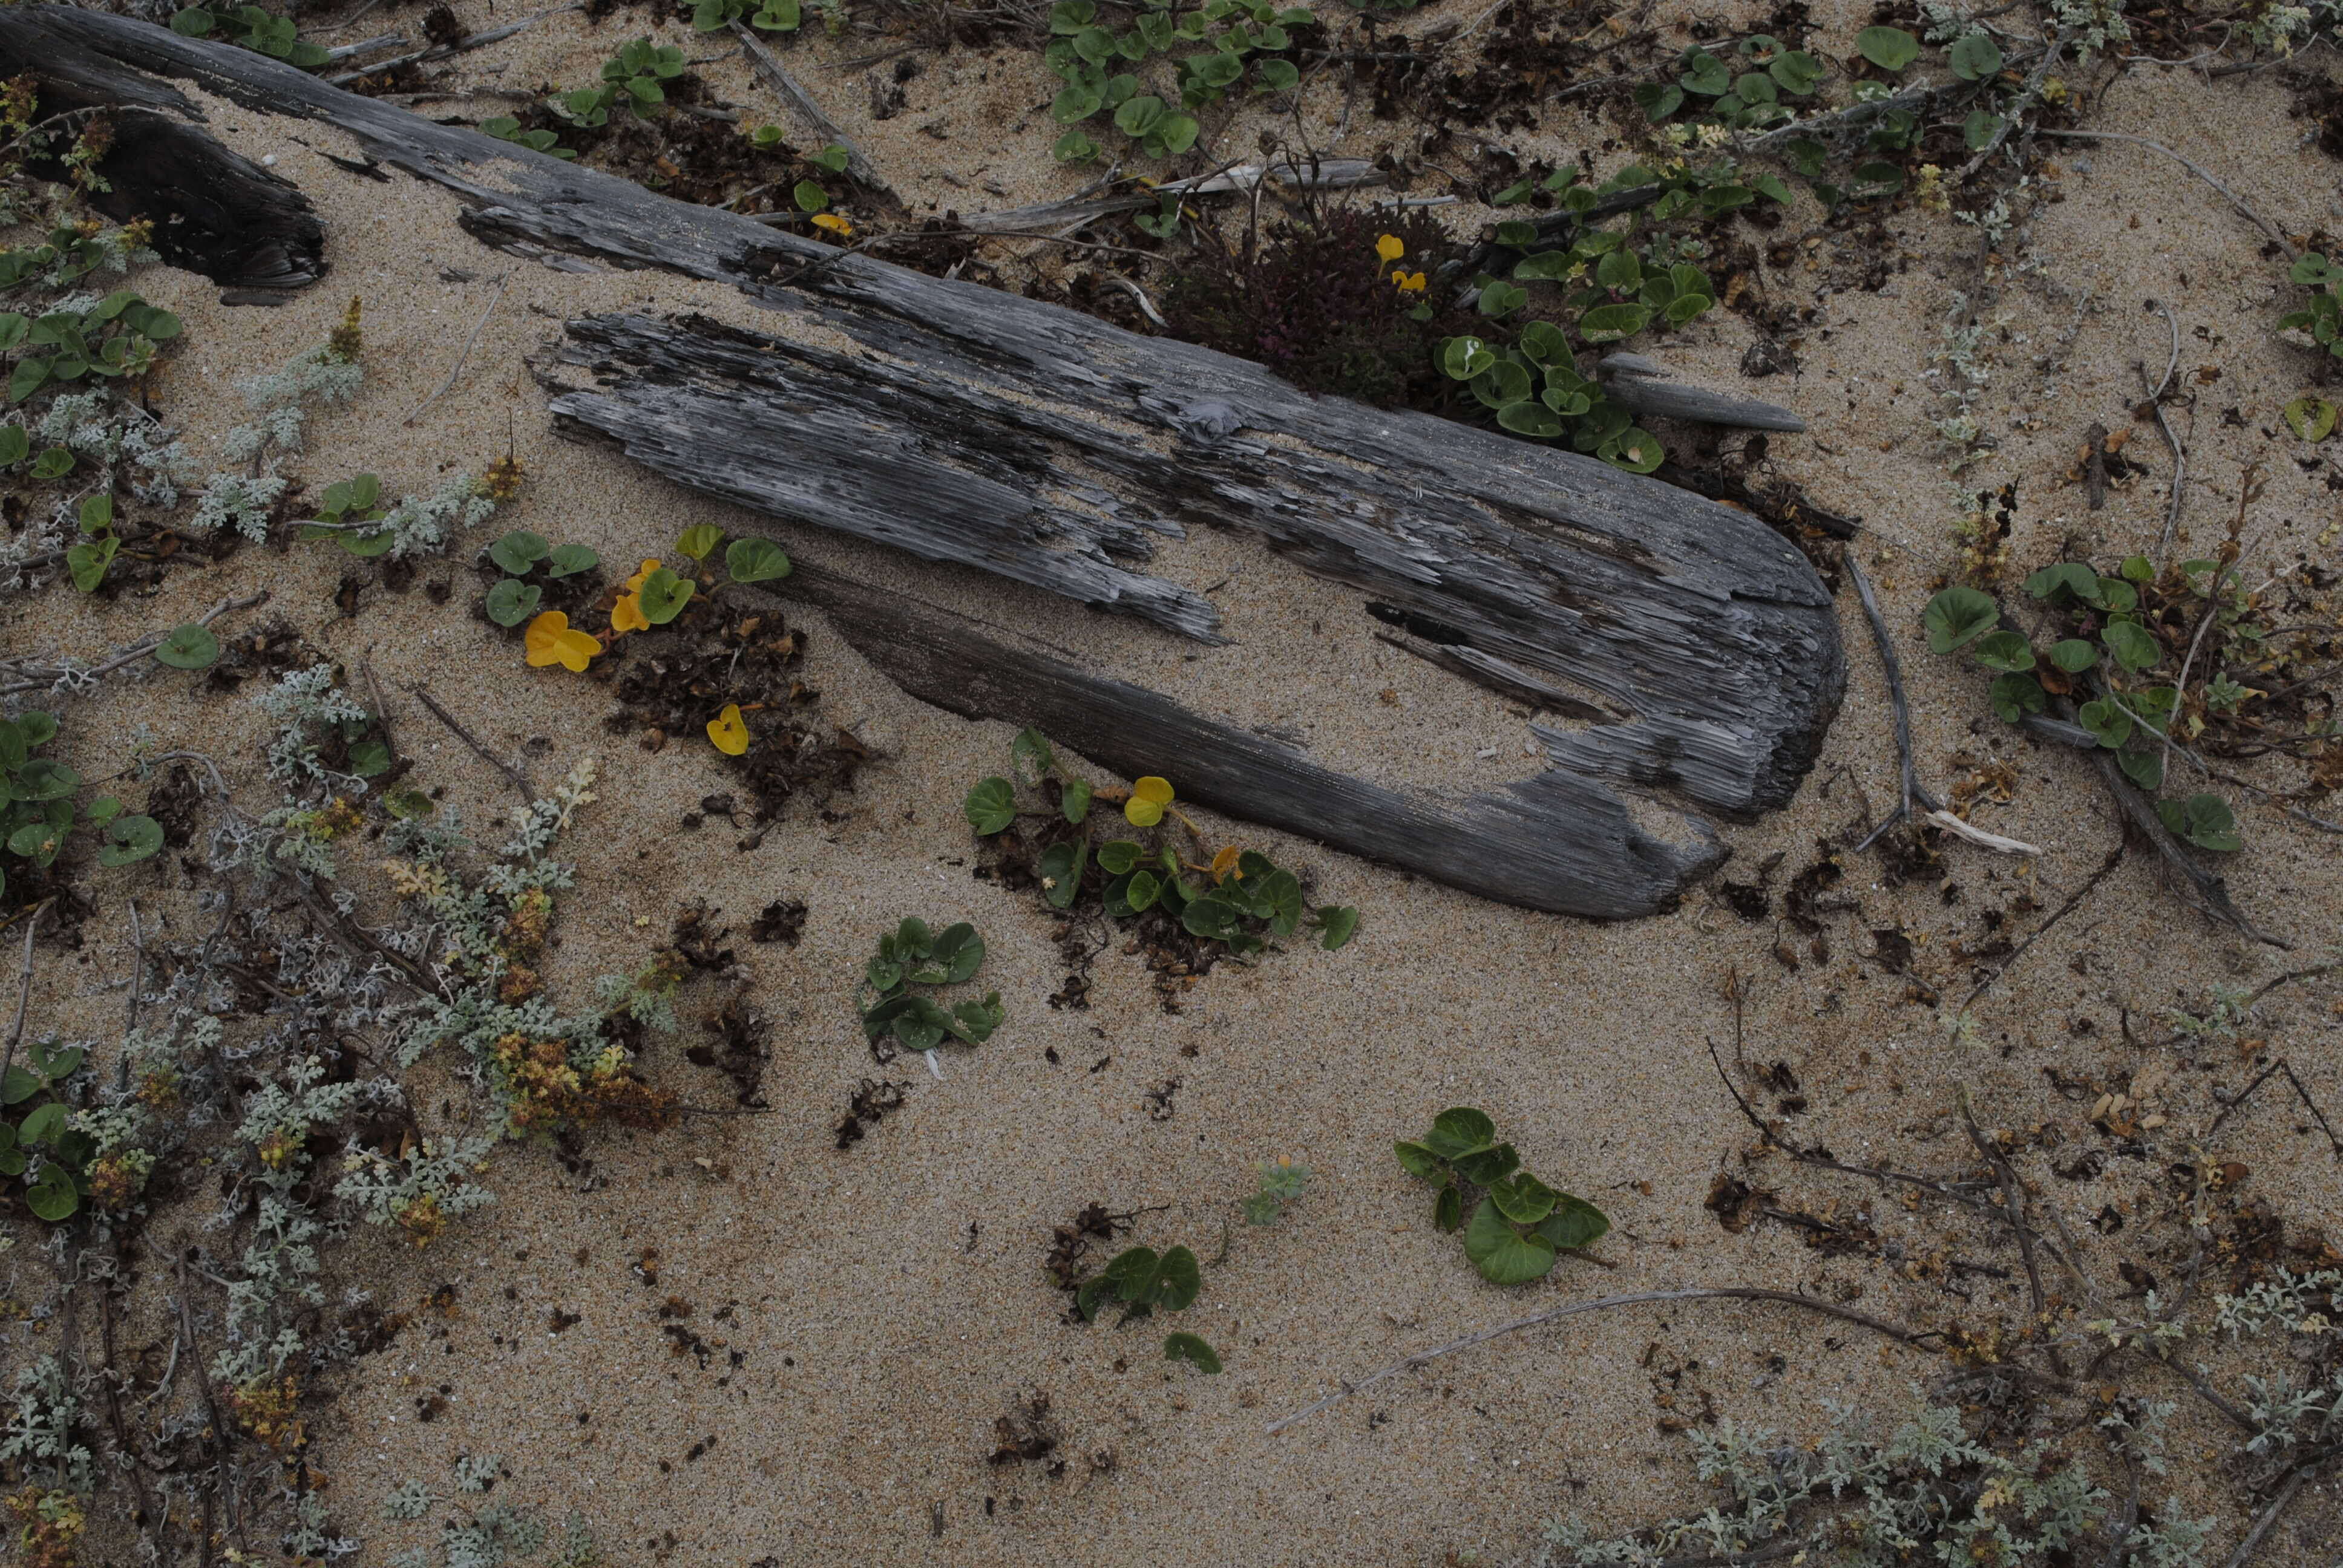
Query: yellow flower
(551, 639)
(728, 731)
(1390, 246)
(1226, 862)
(634, 583)
(833, 223)
(626, 615)
(1149, 796)
(1409, 282)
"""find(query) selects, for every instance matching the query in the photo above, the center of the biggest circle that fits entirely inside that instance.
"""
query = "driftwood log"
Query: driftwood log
(1689, 652)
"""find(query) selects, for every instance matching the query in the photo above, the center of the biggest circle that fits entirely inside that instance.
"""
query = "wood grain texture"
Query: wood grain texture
(970, 425)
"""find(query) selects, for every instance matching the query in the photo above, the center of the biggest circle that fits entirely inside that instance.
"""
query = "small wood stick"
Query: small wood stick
(520, 779)
(1555, 1314)
(462, 354)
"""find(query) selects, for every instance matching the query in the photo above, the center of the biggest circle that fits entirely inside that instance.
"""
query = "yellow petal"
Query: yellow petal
(628, 616)
(728, 731)
(543, 637)
(1142, 813)
(636, 581)
(1225, 861)
(575, 649)
(1390, 246)
(1150, 788)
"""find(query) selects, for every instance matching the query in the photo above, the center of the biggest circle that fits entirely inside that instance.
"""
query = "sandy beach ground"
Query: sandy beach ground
(735, 1343)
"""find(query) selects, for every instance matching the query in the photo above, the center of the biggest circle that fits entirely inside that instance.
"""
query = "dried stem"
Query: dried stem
(1900, 1334)
(520, 779)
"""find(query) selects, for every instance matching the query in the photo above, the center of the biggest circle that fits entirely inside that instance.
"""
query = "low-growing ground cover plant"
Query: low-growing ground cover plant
(1519, 1226)
(911, 956)
(2159, 666)
(1237, 899)
(1140, 1280)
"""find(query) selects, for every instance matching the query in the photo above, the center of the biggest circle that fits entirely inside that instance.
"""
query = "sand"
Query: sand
(865, 1316)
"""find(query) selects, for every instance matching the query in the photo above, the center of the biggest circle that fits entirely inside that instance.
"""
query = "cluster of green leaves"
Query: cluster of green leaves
(2108, 663)
(276, 37)
(1748, 98)
(748, 560)
(1520, 1225)
(88, 558)
(56, 1156)
(65, 257)
(1281, 1183)
(631, 76)
(519, 555)
(809, 195)
(118, 335)
(506, 128)
(912, 955)
(36, 804)
(1140, 1280)
(1755, 90)
(2322, 316)
(343, 511)
(765, 15)
(1236, 33)
(16, 446)
(1610, 292)
(1241, 900)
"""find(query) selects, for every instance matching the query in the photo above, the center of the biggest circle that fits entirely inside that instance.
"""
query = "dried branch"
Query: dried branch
(1908, 773)
(1900, 1334)
(520, 779)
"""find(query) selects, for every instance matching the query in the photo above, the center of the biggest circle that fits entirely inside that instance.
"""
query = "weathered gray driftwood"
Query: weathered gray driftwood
(973, 426)
(1648, 387)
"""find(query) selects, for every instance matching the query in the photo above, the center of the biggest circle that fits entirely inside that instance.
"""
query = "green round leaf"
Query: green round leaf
(755, 561)
(1061, 866)
(1336, 925)
(1975, 57)
(52, 1195)
(991, 807)
(2013, 697)
(1117, 855)
(518, 551)
(1189, 1348)
(1889, 48)
(810, 196)
(1418, 1160)
(568, 560)
(1074, 801)
(1795, 72)
(1575, 1222)
(1502, 1254)
(129, 839)
(1958, 616)
(2310, 418)
(2103, 718)
(1608, 323)
(698, 539)
(513, 601)
(663, 595)
(2004, 651)
(1463, 358)
(1459, 1130)
(1523, 1198)
(190, 646)
(2133, 648)
(2073, 655)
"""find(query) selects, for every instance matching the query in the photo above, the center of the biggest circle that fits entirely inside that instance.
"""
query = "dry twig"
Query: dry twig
(1895, 1332)
(520, 779)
